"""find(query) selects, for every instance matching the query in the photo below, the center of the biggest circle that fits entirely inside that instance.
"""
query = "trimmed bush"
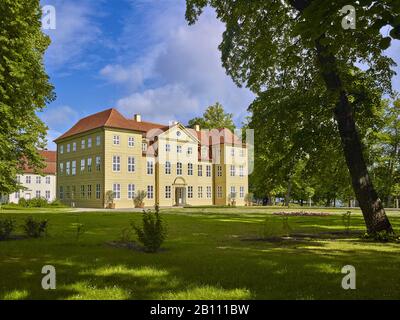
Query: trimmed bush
(7, 227)
(153, 231)
(34, 228)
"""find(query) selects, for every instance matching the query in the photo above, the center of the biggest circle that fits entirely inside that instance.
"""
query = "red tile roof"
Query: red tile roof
(50, 158)
(109, 118)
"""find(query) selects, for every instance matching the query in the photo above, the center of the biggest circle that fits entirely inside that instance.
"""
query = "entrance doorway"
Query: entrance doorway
(180, 196)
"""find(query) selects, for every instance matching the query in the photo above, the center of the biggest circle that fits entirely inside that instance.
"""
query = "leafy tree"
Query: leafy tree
(385, 150)
(24, 89)
(296, 45)
(214, 118)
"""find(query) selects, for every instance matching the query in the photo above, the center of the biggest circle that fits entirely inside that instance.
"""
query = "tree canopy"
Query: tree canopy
(302, 65)
(214, 117)
(24, 89)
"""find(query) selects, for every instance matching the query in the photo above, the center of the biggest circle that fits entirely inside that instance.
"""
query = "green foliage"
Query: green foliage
(214, 118)
(126, 235)
(153, 231)
(34, 228)
(249, 198)
(382, 236)
(7, 226)
(33, 203)
(24, 89)
(138, 200)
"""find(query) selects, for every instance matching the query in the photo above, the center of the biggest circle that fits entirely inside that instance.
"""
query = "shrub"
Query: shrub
(7, 226)
(153, 231)
(34, 228)
(139, 199)
(249, 198)
(382, 236)
(109, 197)
(37, 203)
(57, 204)
(346, 219)
(23, 203)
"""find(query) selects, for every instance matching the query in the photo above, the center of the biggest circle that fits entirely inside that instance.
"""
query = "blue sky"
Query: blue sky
(138, 56)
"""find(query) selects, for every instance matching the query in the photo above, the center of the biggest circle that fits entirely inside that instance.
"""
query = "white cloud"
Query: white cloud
(75, 32)
(181, 73)
(162, 104)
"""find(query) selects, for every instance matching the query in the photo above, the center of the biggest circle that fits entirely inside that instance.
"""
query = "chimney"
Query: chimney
(197, 128)
(137, 118)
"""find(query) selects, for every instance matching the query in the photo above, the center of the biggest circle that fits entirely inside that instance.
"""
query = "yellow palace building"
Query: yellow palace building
(174, 165)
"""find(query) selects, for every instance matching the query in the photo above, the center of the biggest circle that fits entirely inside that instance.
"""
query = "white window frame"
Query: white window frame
(150, 167)
(116, 163)
(190, 169)
(168, 192)
(190, 192)
(116, 140)
(208, 170)
(131, 164)
(117, 191)
(131, 191)
(168, 167)
(150, 192)
(179, 170)
(131, 141)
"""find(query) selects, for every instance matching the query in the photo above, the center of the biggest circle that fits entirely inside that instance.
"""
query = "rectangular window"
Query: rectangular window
(18, 179)
(117, 190)
(167, 167)
(150, 192)
(168, 192)
(83, 194)
(38, 179)
(241, 171)
(200, 192)
(90, 164)
(232, 152)
(61, 149)
(178, 149)
(200, 170)
(67, 169)
(48, 180)
(83, 144)
(219, 171)
(89, 142)
(48, 195)
(116, 140)
(131, 191)
(73, 192)
(61, 168)
(144, 146)
(131, 142)
(17, 195)
(190, 192)
(83, 164)
(241, 192)
(219, 192)
(89, 191)
(167, 148)
(190, 150)
(68, 147)
(150, 167)
(116, 163)
(179, 168)
(37, 193)
(233, 192)
(74, 147)
(208, 171)
(242, 152)
(98, 163)
(98, 191)
(98, 140)
(233, 171)
(73, 169)
(208, 192)
(61, 192)
(190, 169)
(131, 164)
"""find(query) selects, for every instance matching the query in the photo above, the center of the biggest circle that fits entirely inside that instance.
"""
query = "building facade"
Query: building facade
(38, 185)
(173, 164)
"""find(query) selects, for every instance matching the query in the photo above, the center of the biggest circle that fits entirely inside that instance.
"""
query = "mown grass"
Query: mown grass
(205, 257)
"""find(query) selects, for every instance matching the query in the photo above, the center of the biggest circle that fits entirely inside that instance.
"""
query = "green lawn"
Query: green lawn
(205, 257)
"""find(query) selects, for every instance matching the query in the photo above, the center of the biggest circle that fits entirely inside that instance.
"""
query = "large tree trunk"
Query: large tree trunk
(370, 204)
